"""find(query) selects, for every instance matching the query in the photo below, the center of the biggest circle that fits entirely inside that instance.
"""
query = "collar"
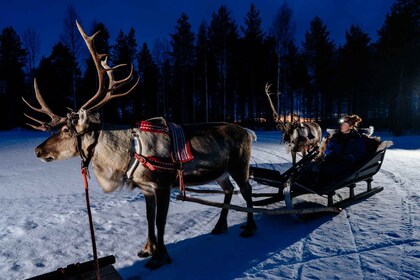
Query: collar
(86, 158)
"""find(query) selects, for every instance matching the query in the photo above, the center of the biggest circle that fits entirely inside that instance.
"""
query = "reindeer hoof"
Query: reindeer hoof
(156, 263)
(248, 231)
(143, 254)
(148, 250)
(219, 229)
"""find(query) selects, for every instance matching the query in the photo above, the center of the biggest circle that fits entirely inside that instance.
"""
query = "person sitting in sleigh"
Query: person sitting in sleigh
(345, 151)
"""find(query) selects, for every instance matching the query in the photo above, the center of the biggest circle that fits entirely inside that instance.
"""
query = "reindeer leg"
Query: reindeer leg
(221, 225)
(293, 158)
(241, 178)
(150, 246)
(251, 226)
(160, 255)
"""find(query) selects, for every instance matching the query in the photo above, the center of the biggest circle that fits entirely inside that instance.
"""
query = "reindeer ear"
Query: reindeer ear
(94, 118)
(86, 118)
(83, 117)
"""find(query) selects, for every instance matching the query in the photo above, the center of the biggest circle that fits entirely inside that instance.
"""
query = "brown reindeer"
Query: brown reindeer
(298, 137)
(219, 150)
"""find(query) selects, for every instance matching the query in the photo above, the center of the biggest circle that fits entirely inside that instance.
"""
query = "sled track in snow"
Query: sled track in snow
(266, 157)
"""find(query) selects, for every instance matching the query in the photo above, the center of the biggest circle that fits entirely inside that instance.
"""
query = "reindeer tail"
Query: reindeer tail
(252, 134)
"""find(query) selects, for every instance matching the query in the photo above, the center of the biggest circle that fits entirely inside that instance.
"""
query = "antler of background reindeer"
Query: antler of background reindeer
(106, 93)
(279, 123)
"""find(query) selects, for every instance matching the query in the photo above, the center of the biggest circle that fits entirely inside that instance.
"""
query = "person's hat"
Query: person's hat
(352, 120)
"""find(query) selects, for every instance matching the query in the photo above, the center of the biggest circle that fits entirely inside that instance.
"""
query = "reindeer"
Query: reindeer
(219, 150)
(298, 137)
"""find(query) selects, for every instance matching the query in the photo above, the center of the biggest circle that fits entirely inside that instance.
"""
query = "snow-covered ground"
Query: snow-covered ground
(44, 225)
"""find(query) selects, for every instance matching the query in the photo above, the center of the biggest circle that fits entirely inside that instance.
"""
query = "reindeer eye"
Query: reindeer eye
(66, 130)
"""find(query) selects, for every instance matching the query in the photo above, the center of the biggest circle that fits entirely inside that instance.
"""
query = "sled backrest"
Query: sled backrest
(368, 168)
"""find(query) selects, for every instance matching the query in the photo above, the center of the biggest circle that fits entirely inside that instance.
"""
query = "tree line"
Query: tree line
(219, 73)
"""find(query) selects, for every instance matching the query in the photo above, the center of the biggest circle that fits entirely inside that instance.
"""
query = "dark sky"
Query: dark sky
(155, 19)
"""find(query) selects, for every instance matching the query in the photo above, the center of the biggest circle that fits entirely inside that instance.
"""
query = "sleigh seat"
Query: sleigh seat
(364, 173)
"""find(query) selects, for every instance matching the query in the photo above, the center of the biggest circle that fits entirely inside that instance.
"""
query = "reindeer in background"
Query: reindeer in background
(298, 137)
(219, 150)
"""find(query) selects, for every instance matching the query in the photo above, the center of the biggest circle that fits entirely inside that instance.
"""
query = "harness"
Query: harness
(304, 142)
(180, 150)
(308, 128)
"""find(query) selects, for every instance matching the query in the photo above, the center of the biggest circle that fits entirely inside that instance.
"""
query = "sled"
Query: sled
(83, 271)
(296, 195)
(290, 191)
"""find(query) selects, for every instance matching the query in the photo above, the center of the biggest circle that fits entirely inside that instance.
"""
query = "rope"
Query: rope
(85, 173)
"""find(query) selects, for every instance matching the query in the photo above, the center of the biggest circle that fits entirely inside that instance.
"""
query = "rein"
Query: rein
(85, 175)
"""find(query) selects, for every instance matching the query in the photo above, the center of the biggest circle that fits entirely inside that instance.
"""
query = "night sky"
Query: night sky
(157, 19)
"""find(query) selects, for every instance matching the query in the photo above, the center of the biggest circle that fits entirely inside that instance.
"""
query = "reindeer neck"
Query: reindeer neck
(111, 157)
(112, 143)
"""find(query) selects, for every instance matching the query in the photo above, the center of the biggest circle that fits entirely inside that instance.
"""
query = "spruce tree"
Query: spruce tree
(319, 52)
(145, 102)
(182, 42)
(399, 54)
(223, 38)
(12, 61)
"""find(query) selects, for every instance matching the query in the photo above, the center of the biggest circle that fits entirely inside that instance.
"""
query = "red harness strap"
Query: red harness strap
(85, 174)
(157, 164)
(163, 164)
(181, 151)
(152, 127)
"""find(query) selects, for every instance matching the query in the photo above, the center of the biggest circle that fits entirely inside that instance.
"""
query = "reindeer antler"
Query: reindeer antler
(106, 94)
(295, 119)
(280, 125)
(102, 67)
(55, 120)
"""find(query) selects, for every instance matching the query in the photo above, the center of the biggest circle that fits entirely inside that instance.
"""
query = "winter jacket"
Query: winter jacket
(349, 148)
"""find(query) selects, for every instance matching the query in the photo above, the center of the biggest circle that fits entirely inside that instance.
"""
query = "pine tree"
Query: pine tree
(252, 66)
(145, 103)
(223, 38)
(12, 61)
(72, 39)
(182, 45)
(32, 44)
(355, 60)
(297, 80)
(399, 51)
(283, 30)
(202, 73)
(161, 55)
(319, 52)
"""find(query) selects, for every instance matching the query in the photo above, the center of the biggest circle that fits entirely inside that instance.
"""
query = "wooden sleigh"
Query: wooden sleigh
(291, 192)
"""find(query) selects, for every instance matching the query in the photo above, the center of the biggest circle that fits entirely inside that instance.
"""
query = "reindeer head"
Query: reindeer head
(67, 140)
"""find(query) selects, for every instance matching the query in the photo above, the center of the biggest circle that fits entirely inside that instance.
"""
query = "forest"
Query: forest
(219, 72)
